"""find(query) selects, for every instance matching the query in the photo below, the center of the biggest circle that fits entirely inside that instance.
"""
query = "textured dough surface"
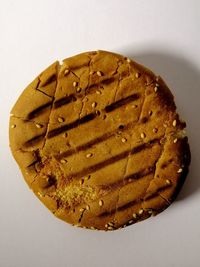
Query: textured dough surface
(99, 142)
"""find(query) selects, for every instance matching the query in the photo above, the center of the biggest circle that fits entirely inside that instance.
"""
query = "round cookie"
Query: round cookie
(99, 142)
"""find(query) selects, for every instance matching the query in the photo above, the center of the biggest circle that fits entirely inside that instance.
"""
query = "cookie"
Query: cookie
(99, 141)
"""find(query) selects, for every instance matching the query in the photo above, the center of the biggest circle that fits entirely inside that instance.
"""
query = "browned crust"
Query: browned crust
(99, 181)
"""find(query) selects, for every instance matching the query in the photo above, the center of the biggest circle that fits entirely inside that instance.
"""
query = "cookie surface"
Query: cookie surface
(99, 142)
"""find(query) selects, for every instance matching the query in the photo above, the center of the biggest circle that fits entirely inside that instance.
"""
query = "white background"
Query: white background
(163, 35)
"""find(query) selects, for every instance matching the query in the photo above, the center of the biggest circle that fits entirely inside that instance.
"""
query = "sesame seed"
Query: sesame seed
(174, 123)
(143, 135)
(124, 140)
(155, 130)
(100, 203)
(111, 223)
(91, 72)
(137, 75)
(157, 79)
(60, 119)
(87, 177)
(155, 89)
(165, 125)
(98, 92)
(89, 155)
(81, 181)
(150, 112)
(66, 71)
(134, 106)
(168, 181)
(11, 114)
(38, 125)
(157, 85)
(106, 225)
(175, 140)
(75, 84)
(134, 215)
(128, 60)
(65, 135)
(150, 211)
(63, 161)
(13, 126)
(141, 211)
(131, 221)
(110, 228)
(87, 207)
(180, 170)
(94, 104)
(78, 90)
(92, 228)
(40, 195)
(99, 73)
(81, 209)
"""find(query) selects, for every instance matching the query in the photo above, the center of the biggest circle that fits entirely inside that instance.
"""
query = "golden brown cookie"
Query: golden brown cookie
(99, 142)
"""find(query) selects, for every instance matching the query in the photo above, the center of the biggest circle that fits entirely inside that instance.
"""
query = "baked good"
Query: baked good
(98, 140)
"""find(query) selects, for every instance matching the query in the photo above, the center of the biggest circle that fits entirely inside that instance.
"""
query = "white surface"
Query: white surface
(163, 35)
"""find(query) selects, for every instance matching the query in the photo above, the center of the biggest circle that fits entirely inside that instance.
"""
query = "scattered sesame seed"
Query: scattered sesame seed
(157, 79)
(94, 104)
(66, 71)
(128, 60)
(157, 85)
(165, 125)
(98, 92)
(110, 228)
(150, 112)
(180, 170)
(81, 209)
(137, 75)
(106, 225)
(40, 195)
(78, 89)
(75, 84)
(60, 119)
(155, 89)
(38, 125)
(100, 203)
(81, 181)
(89, 155)
(134, 106)
(92, 228)
(65, 135)
(87, 207)
(87, 177)
(99, 73)
(141, 211)
(175, 140)
(150, 211)
(91, 72)
(174, 123)
(111, 223)
(63, 161)
(124, 140)
(13, 126)
(168, 181)
(134, 215)
(143, 135)
(155, 130)
(131, 221)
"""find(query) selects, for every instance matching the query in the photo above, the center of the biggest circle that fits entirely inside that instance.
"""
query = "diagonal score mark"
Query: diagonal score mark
(104, 163)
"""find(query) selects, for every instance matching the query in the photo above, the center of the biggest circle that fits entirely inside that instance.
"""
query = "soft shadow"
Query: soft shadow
(183, 78)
